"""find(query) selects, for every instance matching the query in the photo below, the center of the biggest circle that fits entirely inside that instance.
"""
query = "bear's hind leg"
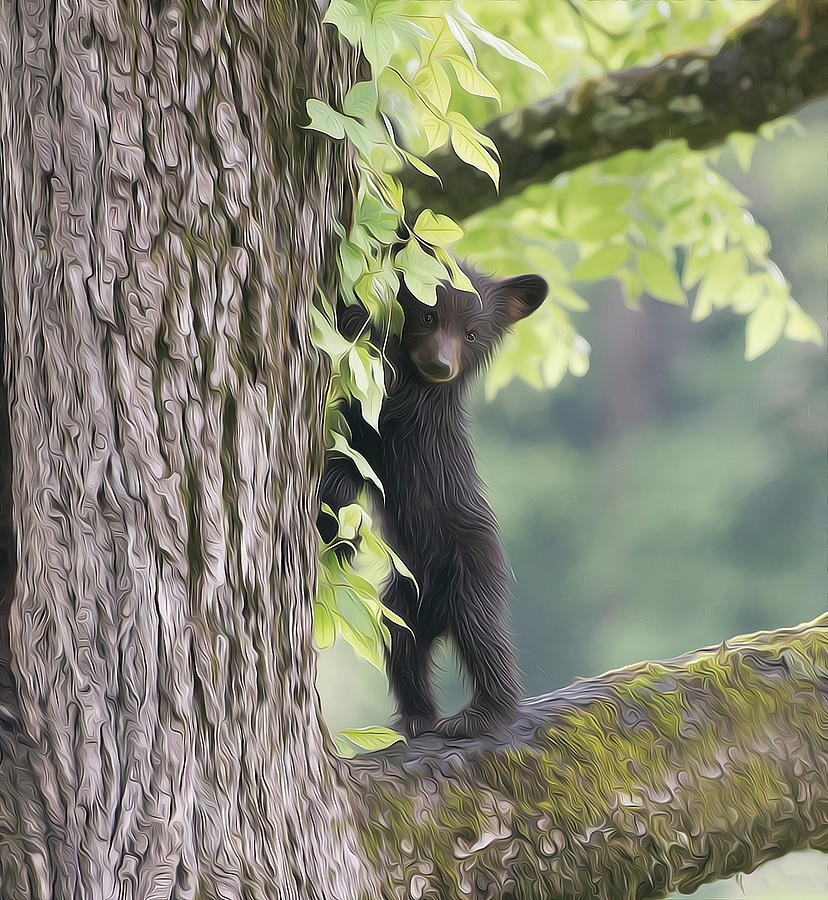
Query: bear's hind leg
(408, 659)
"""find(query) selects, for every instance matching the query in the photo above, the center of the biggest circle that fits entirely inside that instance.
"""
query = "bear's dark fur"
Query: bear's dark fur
(434, 513)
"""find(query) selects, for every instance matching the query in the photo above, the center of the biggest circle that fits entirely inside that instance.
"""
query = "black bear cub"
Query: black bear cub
(434, 514)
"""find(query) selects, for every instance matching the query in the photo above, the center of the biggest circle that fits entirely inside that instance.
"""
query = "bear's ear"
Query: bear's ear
(521, 296)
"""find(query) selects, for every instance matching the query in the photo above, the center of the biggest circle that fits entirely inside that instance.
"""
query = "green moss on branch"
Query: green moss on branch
(656, 778)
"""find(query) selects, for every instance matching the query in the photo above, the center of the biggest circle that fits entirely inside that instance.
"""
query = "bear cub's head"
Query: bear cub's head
(454, 339)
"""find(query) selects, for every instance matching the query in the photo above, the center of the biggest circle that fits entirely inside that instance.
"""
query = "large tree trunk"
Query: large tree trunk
(165, 224)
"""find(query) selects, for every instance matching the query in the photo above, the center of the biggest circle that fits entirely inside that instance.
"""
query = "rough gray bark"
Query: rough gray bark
(657, 778)
(766, 69)
(8, 561)
(166, 222)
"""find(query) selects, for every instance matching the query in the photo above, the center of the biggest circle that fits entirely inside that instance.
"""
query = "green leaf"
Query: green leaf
(359, 237)
(801, 327)
(742, 146)
(436, 131)
(354, 610)
(327, 337)
(699, 261)
(600, 263)
(460, 123)
(368, 644)
(600, 227)
(372, 738)
(566, 297)
(660, 277)
(361, 100)
(724, 273)
(458, 277)
(631, 288)
(350, 521)
(433, 82)
(366, 289)
(325, 119)
(555, 365)
(471, 80)
(749, 293)
(523, 353)
(579, 357)
(358, 370)
(368, 388)
(372, 404)
(608, 197)
(367, 592)
(379, 44)
(359, 136)
(326, 508)
(352, 260)
(409, 33)
(436, 228)
(368, 27)
(402, 568)
(754, 237)
(377, 545)
(378, 218)
(460, 36)
(471, 152)
(421, 270)
(341, 445)
(504, 48)
(324, 629)
(349, 19)
(764, 327)
(420, 165)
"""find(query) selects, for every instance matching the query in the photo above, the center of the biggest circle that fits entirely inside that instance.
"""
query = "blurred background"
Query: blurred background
(673, 497)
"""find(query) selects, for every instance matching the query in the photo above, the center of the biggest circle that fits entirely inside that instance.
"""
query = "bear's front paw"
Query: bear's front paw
(414, 726)
(469, 722)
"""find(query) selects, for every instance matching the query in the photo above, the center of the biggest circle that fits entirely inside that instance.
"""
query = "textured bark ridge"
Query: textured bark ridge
(8, 556)
(766, 69)
(166, 222)
(653, 779)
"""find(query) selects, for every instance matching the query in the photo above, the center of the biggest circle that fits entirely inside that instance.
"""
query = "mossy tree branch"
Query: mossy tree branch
(765, 69)
(656, 778)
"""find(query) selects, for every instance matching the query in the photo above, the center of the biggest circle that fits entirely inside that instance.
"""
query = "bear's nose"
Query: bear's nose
(442, 363)
(442, 367)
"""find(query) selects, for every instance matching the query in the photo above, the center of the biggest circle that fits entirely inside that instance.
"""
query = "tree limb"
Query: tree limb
(765, 69)
(655, 778)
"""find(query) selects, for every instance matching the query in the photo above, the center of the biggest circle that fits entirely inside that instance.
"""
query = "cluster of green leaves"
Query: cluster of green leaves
(662, 222)
(347, 600)
(348, 603)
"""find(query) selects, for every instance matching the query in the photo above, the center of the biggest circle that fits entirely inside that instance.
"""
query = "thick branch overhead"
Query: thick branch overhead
(656, 778)
(767, 68)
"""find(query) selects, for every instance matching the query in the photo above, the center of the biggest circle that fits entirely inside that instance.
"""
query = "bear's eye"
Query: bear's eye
(428, 318)
(471, 336)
